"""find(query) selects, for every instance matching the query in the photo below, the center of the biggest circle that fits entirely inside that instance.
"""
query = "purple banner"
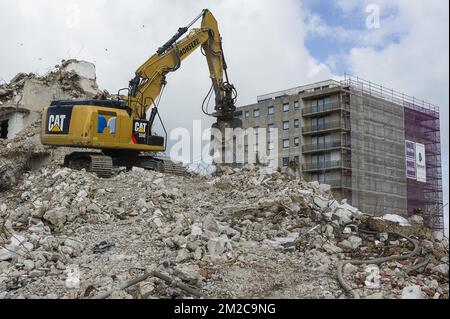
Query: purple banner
(411, 169)
(410, 149)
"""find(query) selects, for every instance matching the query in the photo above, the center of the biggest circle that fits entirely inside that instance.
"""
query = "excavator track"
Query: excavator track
(152, 163)
(170, 167)
(97, 163)
(102, 165)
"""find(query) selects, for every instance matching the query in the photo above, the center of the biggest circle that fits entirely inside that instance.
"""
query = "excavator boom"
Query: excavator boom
(150, 78)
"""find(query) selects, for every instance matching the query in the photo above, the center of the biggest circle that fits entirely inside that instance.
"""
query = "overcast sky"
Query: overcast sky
(269, 45)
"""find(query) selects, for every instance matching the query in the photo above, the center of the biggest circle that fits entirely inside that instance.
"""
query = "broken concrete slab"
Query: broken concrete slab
(442, 269)
(343, 216)
(321, 202)
(412, 292)
(5, 254)
(352, 243)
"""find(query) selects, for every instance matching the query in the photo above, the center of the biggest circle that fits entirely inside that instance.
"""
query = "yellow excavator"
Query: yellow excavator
(122, 128)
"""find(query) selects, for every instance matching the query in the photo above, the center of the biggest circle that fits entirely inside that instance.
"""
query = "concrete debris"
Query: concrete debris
(73, 277)
(372, 277)
(342, 216)
(396, 219)
(412, 292)
(270, 234)
(438, 236)
(352, 243)
(350, 269)
(442, 269)
(5, 254)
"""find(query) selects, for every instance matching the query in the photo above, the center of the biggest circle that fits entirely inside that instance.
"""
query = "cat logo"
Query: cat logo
(140, 127)
(56, 123)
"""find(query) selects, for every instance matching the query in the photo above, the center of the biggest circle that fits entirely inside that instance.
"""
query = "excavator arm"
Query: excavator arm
(150, 78)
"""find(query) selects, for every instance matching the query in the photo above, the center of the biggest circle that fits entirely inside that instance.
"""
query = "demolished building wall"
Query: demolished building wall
(21, 104)
(71, 80)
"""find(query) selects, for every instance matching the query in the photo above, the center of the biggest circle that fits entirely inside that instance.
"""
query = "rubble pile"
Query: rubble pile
(20, 154)
(246, 233)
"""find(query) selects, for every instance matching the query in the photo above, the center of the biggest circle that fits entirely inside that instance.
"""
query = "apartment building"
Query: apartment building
(377, 148)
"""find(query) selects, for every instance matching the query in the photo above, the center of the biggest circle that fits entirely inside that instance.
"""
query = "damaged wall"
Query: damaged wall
(21, 104)
(71, 80)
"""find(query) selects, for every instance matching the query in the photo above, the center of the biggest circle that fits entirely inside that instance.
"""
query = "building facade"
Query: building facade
(377, 148)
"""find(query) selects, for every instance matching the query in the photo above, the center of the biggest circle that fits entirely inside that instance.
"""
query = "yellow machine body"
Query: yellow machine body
(89, 126)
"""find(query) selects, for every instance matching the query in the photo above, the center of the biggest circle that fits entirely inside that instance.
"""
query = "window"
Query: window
(256, 113)
(256, 130)
(270, 163)
(296, 141)
(286, 143)
(285, 161)
(296, 123)
(4, 129)
(247, 114)
(270, 110)
(286, 125)
(286, 107)
(314, 105)
(297, 159)
(320, 160)
(270, 127)
(320, 122)
(246, 148)
(321, 105)
(321, 178)
(256, 148)
(321, 140)
(270, 146)
(296, 105)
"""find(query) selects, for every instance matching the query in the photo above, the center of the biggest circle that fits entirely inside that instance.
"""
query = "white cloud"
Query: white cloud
(353, 12)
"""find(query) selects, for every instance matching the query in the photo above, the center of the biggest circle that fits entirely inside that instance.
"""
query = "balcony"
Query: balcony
(321, 166)
(320, 147)
(325, 127)
(322, 109)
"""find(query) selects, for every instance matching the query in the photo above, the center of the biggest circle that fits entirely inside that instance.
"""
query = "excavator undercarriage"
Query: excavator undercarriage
(102, 165)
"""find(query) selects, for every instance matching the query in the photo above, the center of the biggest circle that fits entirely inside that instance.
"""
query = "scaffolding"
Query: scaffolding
(420, 125)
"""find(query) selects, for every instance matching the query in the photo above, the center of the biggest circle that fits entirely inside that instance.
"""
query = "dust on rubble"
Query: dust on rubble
(247, 233)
